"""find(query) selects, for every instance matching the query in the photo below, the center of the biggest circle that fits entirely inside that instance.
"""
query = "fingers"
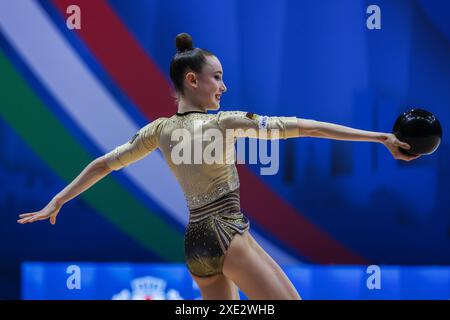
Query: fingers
(414, 158)
(31, 218)
(36, 218)
(399, 151)
(402, 145)
(24, 215)
(399, 143)
(24, 220)
(406, 157)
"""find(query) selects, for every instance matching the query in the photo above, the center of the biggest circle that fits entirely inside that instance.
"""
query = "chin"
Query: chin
(215, 106)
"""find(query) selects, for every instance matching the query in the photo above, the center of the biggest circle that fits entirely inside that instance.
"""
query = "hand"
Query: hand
(50, 211)
(393, 144)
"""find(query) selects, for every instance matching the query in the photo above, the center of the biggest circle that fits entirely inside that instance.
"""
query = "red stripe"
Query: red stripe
(274, 214)
(127, 63)
(123, 58)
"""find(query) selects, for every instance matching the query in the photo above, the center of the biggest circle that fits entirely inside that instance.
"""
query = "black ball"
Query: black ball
(420, 129)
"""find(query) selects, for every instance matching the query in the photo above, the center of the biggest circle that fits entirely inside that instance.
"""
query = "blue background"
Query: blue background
(107, 280)
(311, 59)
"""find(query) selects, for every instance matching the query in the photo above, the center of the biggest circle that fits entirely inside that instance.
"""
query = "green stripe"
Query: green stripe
(48, 138)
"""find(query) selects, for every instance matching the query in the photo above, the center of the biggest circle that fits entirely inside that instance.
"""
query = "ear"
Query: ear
(191, 79)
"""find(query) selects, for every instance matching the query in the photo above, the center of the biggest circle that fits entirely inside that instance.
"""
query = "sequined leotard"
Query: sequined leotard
(211, 188)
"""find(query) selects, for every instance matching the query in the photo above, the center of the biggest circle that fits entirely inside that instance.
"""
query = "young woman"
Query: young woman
(221, 254)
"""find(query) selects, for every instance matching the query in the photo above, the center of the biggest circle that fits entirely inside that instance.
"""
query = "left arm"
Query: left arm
(318, 129)
(249, 125)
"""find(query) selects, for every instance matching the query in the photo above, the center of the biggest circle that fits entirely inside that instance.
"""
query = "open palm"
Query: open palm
(50, 211)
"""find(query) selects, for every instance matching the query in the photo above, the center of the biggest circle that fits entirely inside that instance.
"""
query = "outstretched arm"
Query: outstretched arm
(249, 125)
(318, 129)
(140, 145)
(91, 174)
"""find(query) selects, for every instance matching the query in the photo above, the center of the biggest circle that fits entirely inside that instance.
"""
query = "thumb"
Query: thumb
(403, 145)
(53, 220)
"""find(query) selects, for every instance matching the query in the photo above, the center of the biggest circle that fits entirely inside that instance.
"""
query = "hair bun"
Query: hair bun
(183, 42)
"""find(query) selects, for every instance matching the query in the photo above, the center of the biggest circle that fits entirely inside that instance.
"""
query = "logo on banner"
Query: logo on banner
(148, 288)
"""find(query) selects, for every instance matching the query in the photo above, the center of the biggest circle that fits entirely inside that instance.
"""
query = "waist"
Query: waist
(229, 204)
(215, 192)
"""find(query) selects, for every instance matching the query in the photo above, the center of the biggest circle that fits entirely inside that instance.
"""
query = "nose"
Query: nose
(223, 88)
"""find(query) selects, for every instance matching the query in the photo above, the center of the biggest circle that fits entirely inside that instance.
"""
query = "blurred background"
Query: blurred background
(68, 96)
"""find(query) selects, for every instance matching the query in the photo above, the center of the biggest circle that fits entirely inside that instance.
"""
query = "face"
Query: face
(209, 84)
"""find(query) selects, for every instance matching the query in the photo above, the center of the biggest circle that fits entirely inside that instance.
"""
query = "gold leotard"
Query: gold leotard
(210, 187)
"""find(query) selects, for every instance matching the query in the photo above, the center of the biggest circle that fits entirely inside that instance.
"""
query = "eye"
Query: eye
(217, 77)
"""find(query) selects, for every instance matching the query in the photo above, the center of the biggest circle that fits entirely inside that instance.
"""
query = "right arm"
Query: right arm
(90, 175)
(142, 143)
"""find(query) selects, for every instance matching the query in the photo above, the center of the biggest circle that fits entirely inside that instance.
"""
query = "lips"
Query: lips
(218, 97)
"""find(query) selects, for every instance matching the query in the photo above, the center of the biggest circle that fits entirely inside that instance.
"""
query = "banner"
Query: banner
(126, 281)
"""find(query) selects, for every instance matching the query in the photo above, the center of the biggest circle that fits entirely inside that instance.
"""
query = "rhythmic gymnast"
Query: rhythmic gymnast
(221, 254)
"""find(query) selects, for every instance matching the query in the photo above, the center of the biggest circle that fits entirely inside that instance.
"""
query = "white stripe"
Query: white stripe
(90, 105)
(83, 97)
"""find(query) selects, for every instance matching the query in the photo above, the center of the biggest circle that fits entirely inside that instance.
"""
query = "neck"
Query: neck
(186, 105)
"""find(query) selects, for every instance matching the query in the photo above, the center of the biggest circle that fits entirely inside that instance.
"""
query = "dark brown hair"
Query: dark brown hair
(186, 59)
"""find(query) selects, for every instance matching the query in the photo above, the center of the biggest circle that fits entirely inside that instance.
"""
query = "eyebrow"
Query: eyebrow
(219, 72)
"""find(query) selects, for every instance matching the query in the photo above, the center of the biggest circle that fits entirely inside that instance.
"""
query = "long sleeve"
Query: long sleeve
(250, 125)
(141, 144)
